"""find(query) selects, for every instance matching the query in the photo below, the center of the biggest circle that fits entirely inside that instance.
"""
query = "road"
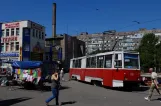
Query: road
(77, 94)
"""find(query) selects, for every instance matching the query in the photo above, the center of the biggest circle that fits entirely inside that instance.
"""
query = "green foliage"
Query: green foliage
(149, 50)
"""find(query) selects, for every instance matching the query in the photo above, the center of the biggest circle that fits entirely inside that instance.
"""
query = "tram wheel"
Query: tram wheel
(96, 83)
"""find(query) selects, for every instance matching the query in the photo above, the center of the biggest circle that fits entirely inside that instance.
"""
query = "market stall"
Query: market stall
(27, 73)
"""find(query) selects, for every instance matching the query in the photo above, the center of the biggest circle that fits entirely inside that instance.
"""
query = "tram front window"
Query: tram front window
(131, 61)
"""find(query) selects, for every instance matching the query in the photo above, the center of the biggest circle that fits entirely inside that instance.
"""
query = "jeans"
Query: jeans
(55, 93)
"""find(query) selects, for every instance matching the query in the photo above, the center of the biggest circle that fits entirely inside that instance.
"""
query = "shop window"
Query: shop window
(7, 32)
(17, 46)
(12, 46)
(2, 47)
(17, 31)
(12, 32)
(7, 46)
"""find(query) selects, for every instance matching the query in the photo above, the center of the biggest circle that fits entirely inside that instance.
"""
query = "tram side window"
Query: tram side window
(118, 61)
(79, 63)
(100, 60)
(108, 61)
(93, 62)
(74, 63)
(88, 63)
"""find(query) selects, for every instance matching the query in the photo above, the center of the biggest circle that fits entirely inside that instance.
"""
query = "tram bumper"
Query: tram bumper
(131, 83)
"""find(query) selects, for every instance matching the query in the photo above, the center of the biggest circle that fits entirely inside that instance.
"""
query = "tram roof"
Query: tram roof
(105, 53)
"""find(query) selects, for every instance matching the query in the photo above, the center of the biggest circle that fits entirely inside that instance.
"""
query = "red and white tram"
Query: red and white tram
(113, 69)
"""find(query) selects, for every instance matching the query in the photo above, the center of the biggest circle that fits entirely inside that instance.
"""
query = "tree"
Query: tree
(148, 51)
(158, 56)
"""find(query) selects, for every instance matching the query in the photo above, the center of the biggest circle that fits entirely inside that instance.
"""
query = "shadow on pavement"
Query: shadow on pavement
(10, 102)
(46, 88)
(69, 102)
(158, 99)
(65, 103)
(129, 89)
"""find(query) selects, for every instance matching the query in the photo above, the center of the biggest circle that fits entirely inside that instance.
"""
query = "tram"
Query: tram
(111, 69)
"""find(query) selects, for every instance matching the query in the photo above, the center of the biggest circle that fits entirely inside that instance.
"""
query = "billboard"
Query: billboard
(37, 53)
(26, 44)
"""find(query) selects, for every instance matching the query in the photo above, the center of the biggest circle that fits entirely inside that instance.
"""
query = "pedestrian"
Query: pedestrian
(54, 88)
(10, 77)
(62, 74)
(154, 84)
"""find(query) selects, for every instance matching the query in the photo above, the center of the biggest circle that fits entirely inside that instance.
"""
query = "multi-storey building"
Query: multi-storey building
(127, 41)
(22, 40)
(63, 47)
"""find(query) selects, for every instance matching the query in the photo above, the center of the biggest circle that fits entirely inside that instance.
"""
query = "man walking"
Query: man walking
(154, 84)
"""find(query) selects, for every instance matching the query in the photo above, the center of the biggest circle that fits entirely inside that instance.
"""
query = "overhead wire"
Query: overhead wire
(103, 12)
(140, 23)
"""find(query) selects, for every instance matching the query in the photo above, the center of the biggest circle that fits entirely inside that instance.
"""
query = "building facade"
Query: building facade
(126, 41)
(64, 47)
(22, 40)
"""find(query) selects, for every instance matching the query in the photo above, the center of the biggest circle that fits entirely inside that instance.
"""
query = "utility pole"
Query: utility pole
(73, 47)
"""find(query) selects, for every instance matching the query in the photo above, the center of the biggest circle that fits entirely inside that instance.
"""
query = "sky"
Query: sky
(92, 16)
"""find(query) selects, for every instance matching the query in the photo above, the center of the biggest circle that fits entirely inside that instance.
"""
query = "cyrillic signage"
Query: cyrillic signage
(8, 39)
(12, 25)
(9, 54)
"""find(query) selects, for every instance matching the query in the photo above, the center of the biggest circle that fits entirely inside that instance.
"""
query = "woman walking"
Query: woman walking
(54, 88)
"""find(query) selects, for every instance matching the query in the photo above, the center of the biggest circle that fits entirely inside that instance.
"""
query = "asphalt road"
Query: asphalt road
(78, 94)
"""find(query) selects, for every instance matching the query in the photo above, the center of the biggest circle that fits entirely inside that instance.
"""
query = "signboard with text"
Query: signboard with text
(8, 39)
(9, 54)
(12, 25)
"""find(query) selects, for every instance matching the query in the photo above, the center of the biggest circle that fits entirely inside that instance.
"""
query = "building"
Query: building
(63, 47)
(111, 40)
(22, 40)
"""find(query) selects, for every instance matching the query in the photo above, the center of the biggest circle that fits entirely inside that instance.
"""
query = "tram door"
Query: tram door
(118, 74)
(83, 70)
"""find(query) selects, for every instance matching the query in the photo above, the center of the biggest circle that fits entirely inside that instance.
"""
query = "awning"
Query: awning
(26, 64)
